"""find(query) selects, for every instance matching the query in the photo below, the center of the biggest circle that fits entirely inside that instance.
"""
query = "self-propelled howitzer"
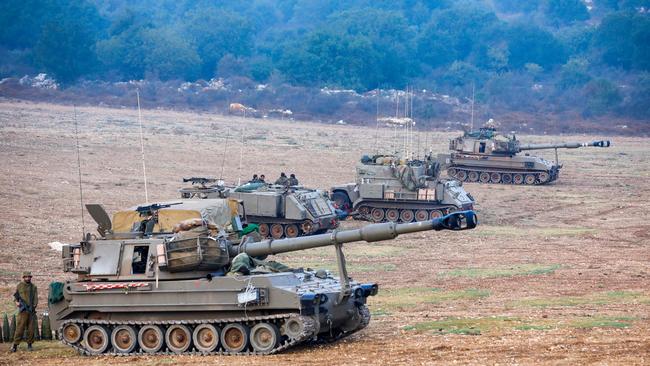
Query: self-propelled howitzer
(486, 156)
(181, 294)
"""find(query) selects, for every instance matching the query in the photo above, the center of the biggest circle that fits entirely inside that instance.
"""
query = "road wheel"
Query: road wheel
(71, 333)
(484, 177)
(264, 230)
(277, 231)
(406, 216)
(451, 209)
(150, 338)
(435, 214)
(392, 214)
(377, 214)
(544, 177)
(205, 338)
(472, 177)
(234, 337)
(518, 178)
(421, 215)
(96, 339)
(124, 339)
(530, 179)
(291, 231)
(506, 178)
(178, 338)
(307, 227)
(495, 178)
(264, 337)
(461, 175)
(452, 172)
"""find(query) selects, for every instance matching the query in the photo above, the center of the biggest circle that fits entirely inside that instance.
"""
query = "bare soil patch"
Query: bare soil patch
(554, 274)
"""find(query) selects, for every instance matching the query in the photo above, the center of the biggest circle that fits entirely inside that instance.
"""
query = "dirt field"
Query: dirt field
(554, 274)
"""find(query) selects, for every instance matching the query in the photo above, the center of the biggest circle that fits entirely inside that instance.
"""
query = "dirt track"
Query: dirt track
(554, 274)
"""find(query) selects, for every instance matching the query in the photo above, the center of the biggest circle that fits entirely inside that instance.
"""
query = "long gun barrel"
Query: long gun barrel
(461, 220)
(568, 145)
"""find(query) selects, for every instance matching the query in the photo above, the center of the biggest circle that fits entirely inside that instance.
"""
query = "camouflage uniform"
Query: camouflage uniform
(27, 293)
(283, 180)
(293, 181)
(245, 264)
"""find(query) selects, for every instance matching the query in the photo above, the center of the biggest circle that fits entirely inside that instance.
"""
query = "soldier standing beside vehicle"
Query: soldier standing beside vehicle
(26, 298)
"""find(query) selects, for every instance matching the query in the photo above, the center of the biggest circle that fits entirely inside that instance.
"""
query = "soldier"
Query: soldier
(243, 264)
(262, 179)
(26, 298)
(283, 180)
(255, 179)
(293, 181)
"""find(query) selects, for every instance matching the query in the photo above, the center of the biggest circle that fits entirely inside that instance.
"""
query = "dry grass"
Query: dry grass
(592, 222)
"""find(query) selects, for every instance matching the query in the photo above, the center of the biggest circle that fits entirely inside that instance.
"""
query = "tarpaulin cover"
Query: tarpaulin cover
(216, 212)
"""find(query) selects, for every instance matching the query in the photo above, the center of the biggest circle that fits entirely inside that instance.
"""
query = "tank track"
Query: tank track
(284, 223)
(457, 173)
(365, 212)
(309, 331)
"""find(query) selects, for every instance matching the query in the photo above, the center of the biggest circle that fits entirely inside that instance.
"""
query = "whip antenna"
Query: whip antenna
(241, 155)
(81, 194)
(472, 118)
(144, 168)
(225, 149)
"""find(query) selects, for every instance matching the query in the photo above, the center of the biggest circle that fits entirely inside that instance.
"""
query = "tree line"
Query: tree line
(553, 55)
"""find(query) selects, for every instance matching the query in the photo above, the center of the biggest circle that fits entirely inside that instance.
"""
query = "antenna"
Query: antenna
(144, 168)
(471, 128)
(241, 156)
(81, 194)
(377, 124)
(223, 160)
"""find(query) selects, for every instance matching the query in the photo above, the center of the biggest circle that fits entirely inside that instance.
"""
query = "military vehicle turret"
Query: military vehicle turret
(188, 292)
(485, 156)
(388, 188)
(201, 187)
(280, 211)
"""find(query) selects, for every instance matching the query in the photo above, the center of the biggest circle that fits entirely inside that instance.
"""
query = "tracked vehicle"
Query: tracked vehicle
(175, 293)
(388, 188)
(485, 156)
(280, 211)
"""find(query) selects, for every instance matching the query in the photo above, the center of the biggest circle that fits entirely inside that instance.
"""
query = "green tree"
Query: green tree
(390, 37)
(623, 39)
(560, 12)
(531, 44)
(65, 45)
(331, 58)
(139, 51)
(574, 74)
(601, 96)
(452, 34)
(215, 33)
(21, 21)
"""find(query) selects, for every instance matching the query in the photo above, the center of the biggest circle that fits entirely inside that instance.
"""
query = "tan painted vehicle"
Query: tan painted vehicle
(484, 156)
(280, 211)
(179, 288)
(389, 188)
